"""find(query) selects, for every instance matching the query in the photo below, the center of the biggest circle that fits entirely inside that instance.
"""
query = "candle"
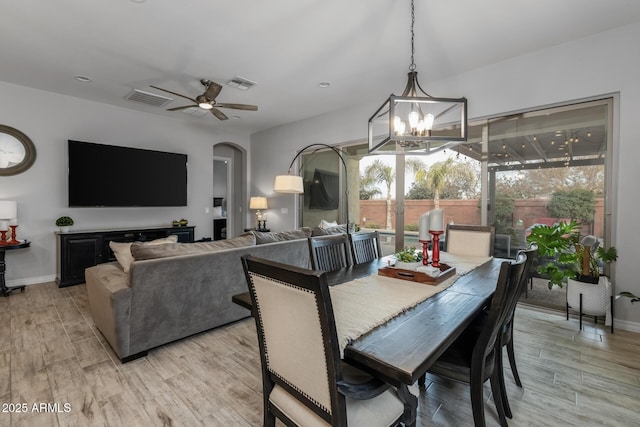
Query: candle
(436, 220)
(423, 227)
(13, 221)
(4, 225)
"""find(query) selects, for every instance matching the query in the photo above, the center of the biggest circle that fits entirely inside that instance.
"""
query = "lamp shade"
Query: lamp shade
(258, 203)
(8, 209)
(288, 184)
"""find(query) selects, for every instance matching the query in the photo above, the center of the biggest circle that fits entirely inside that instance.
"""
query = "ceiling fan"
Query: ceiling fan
(207, 100)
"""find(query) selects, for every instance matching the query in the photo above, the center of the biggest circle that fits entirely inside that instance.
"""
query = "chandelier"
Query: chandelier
(416, 122)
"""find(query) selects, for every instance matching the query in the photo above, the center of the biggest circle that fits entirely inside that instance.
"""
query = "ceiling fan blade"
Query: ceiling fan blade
(219, 114)
(174, 93)
(246, 107)
(212, 90)
(184, 107)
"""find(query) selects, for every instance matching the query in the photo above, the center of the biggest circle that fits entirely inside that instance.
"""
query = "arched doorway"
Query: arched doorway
(229, 189)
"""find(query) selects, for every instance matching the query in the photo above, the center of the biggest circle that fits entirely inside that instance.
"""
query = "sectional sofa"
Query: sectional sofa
(174, 290)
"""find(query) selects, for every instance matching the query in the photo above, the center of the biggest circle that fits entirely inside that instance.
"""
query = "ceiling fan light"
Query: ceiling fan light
(205, 106)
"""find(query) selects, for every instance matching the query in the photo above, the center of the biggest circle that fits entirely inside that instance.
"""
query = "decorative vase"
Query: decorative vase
(408, 265)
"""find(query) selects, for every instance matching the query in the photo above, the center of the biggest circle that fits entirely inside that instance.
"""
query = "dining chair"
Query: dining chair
(329, 253)
(469, 240)
(506, 338)
(472, 358)
(365, 247)
(304, 381)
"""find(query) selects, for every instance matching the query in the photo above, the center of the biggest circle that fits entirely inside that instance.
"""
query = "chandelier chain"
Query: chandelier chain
(412, 67)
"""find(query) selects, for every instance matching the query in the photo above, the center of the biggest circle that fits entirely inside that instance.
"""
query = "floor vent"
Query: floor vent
(148, 98)
(241, 83)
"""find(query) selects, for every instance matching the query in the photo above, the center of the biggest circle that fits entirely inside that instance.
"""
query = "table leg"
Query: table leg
(4, 291)
(411, 405)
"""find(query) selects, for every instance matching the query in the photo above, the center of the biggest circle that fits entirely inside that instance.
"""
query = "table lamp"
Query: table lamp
(8, 212)
(259, 203)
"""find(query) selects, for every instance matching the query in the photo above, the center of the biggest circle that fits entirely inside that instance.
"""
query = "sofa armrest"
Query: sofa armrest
(110, 303)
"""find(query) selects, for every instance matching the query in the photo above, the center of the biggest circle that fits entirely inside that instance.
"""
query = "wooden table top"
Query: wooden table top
(402, 350)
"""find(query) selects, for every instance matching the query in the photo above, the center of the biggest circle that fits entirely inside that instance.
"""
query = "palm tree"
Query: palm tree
(378, 172)
(436, 178)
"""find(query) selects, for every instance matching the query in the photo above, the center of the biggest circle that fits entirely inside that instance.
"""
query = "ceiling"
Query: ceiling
(362, 47)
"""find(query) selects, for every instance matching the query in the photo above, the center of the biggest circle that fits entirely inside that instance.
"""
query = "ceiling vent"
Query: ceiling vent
(241, 83)
(148, 98)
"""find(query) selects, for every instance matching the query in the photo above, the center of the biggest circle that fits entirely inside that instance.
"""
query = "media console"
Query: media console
(77, 250)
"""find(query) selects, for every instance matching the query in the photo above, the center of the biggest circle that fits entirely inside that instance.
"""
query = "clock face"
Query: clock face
(12, 152)
(17, 152)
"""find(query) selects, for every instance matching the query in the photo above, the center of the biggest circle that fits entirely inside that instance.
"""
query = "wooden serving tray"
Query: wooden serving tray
(446, 271)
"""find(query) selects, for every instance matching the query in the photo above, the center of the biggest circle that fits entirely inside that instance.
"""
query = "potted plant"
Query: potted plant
(408, 258)
(564, 257)
(64, 222)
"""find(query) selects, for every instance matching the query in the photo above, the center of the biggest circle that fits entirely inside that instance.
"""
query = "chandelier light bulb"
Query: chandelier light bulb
(414, 118)
(428, 121)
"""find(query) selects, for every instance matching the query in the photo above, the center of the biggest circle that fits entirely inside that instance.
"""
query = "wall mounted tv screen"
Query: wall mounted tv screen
(108, 175)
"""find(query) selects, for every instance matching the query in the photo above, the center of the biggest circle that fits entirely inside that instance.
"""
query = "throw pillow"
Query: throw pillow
(122, 250)
(327, 224)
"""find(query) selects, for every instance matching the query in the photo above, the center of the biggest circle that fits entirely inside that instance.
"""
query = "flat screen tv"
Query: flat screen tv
(113, 176)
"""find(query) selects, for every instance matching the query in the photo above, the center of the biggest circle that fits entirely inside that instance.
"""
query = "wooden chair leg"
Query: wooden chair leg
(410, 406)
(499, 373)
(477, 401)
(512, 363)
(498, 399)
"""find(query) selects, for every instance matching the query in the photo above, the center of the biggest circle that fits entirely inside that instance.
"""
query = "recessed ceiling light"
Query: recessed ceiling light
(324, 84)
(83, 79)
(235, 117)
(138, 1)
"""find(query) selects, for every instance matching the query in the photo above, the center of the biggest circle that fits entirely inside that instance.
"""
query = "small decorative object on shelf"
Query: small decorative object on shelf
(64, 222)
(179, 222)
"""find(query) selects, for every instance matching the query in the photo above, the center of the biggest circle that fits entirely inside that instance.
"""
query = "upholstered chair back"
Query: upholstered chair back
(295, 321)
(470, 240)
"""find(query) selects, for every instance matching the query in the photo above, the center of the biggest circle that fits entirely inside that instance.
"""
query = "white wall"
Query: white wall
(41, 192)
(606, 63)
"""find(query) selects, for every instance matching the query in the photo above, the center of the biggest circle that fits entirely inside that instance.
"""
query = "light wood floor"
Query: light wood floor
(50, 352)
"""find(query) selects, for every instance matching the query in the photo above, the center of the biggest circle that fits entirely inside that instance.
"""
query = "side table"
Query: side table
(4, 291)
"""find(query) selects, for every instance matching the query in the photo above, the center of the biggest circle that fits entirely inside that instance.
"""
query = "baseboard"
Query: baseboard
(626, 325)
(30, 281)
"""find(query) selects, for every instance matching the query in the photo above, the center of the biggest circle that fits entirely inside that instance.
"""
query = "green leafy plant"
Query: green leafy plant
(64, 221)
(565, 257)
(409, 254)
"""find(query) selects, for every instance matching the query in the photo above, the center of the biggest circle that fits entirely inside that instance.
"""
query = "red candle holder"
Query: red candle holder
(425, 254)
(3, 238)
(13, 240)
(436, 247)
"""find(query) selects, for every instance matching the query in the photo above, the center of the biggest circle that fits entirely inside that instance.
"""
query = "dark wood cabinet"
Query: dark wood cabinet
(77, 250)
(219, 228)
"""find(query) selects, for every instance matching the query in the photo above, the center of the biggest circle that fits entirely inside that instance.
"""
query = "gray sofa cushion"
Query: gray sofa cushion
(141, 251)
(272, 237)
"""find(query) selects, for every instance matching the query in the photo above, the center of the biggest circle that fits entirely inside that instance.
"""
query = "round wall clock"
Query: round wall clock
(17, 152)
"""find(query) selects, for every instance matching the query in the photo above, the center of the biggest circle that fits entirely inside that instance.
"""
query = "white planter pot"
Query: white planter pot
(595, 297)
(408, 265)
(64, 228)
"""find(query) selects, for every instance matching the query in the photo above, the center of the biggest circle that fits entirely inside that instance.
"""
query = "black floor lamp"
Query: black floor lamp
(292, 183)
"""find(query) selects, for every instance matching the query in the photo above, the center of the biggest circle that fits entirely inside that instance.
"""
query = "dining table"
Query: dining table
(401, 350)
